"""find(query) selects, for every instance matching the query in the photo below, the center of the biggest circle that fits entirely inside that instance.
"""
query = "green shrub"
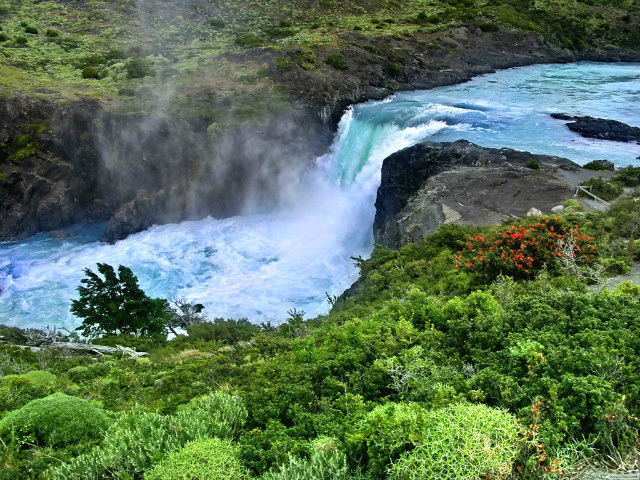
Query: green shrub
(216, 415)
(138, 440)
(463, 441)
(628, 176)
(228, 331)
(394, 69)
(31, 30)
(597, 166)
(533, 164)
(90, 72)
(306, 59)
(21, 41)
(17, 390)
(79, 374)
(139, 68)
(572, 206)
(605, 189)
(389, 431)
(56, 421)
(40, 378)
(3, 37)
(337, 61)
(326, 462)
(284, 64)
(211, 459)
(249, 40)
(217, 22)
(52, 33)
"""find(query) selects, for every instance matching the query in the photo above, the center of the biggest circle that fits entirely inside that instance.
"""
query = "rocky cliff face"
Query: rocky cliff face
(430, 184)
(67, 163)
(49, 173)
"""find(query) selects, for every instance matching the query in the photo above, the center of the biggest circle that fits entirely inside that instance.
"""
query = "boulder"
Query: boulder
(534, 212)
(599, 128)
(558, 209)
(430, 184)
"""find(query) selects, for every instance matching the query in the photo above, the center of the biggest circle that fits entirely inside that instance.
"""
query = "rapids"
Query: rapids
(261, 266)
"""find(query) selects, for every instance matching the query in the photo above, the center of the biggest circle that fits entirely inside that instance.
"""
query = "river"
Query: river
(261, 266)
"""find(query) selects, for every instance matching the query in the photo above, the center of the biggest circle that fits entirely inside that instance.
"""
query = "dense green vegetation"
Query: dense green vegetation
(501, 373)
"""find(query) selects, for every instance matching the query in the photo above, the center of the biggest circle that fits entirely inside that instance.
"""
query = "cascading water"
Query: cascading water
(260, 266)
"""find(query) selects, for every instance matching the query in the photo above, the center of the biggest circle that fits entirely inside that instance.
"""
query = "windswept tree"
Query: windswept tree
(114, 304)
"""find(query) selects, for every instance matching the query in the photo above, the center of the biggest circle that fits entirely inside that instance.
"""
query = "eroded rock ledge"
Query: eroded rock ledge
(430, 184)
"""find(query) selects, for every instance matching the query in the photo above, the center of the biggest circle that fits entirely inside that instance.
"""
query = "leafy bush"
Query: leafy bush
(90, 72)
(211, 459)
(116, 304)
(337, 61)
(79, 374)
(31, 30)
(229, 331)
(138, 440)
(394, 69)
(250, 40)
(389, 431)
(21, 41)
(605, 189)
(463, 441)
(521, 251)
(572, 206)
(56, 421)
(597, 166)
(17, 390)
(628, 176)
(139, 68)
(217, 22)
(326, 462)
(3, 37)
(533, 164)
(216, 415)
(284, 64)
(306, 59)
(52, 33)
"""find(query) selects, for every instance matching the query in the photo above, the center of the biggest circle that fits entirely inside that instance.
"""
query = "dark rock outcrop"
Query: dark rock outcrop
(599, 128)
(430, 184)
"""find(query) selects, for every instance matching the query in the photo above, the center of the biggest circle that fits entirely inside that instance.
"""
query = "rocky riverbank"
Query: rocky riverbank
(430, 184)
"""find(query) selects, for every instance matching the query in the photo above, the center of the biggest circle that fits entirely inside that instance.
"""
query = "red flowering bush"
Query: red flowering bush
(521, 251)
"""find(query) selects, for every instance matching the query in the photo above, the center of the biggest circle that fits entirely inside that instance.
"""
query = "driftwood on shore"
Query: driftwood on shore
(98, 350)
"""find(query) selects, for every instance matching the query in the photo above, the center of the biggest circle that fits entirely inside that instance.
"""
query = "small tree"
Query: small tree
(116, 305)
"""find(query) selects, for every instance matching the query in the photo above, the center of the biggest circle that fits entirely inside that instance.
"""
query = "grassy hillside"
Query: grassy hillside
(495, 348)
(113, 49)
